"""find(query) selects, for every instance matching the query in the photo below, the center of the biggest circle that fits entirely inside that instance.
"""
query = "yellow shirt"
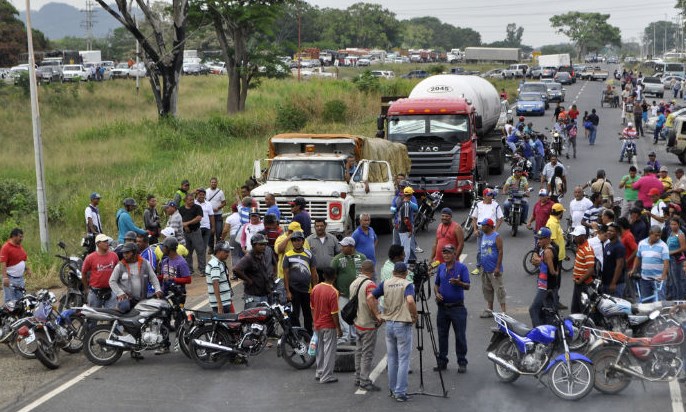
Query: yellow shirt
(666, 183)
(670, 120)
(181, 250)
(557, 236)
(279, 240)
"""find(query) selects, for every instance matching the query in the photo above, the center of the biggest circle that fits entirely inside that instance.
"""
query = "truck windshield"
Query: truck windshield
(306, 169)
(450, 128)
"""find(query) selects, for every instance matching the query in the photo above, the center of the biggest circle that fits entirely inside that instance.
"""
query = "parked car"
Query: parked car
(120, 71)
(547, 73)
(556, 93)
(493, 74)
(515, 70)
(385, 74)
(48, 74)
(653, 85)
(563, 78)
(612, 60)
(363, 62)
(416, 74)
(220, 67)
(567, 69)
(195, 69)
(530, 103)
(138, 70)
(74, 72)
(535, 87)
(667, 80)
(534, 72)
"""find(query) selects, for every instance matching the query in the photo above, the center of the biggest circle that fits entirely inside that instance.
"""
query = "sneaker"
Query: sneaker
(486, 314)
(462, 369)
(475, 271)
(402, 398)
(562, 306)
(370, 387)
(332, 380)
(418, 250)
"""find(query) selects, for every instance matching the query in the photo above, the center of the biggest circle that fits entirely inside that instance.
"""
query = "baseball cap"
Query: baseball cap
(557, 207)
(488, 192)
(129, 247)
(447, 211)
(171, 203)
(347, 241)
(579, 231)
(95, 195)
(298, 234)
(487, 222)
(400, 267)
(664, 169)
(651, 154)
(102, 238)
(185, 182)
(448, 248)
(654, 192)
(544, 232)
(543, 192)
(170, 243)
(298, 201)
(294, 226)
(129, 201)
(130, 235)
(168, 231)
(408, 190)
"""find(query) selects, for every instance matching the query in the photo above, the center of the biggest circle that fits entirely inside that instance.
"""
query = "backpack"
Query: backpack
(349, 311)
(572, 132)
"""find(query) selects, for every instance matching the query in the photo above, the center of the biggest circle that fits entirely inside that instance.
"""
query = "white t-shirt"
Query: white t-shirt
(249, 230)
(491, 211)
(549, 170)
(95, 215)
(215, 197)
(657, 210)
(234, 222)
(597, 247)
(577, 209)
(206, 213)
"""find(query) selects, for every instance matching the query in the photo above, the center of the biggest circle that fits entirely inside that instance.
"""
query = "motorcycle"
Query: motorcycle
(630, 149)
(468, 224)
(618, 358)
(516, 349)
(70, 276)
(216, 339)
(519, 161)
(145, 327)
(48, 331)
(11, 312)
(516, 199)
(429, 203)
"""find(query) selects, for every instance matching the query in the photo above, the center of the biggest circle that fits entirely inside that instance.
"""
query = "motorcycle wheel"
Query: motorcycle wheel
(208, 358)
(515, 223)
(571, 382)
(629, 156)
(21, 348)
(294, 348)
(47, 353)
(70, 299)
(468, 228)
(606, 380)
(529, 267)
(507, 350)
(78, 326)
(567, 264)
(183, 336)
(420, 222)
(95, 349)
(66, 273)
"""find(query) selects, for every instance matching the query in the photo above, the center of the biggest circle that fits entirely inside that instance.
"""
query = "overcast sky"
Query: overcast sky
(490, 17)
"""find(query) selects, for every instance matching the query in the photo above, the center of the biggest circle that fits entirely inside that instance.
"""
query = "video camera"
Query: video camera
(421, 272)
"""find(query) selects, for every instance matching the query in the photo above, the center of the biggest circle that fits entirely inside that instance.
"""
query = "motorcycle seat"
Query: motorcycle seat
(521, 329)
(229, 317)
(638, 342)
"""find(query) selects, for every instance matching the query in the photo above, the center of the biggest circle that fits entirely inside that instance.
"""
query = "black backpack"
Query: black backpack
(349, 311)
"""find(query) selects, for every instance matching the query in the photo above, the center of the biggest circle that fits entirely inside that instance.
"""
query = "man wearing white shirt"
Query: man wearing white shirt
(578, 206)
(597, 242)
(217, 198)
(485, 209)
(207, 222)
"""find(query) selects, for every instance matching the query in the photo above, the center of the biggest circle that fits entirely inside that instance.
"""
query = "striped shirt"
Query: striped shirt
(652, 258)
(216, 270)
(585, 259)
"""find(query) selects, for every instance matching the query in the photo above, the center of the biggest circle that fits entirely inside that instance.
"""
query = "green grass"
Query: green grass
(105, 137)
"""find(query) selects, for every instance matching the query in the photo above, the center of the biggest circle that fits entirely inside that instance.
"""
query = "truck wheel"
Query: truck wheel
(482, 168)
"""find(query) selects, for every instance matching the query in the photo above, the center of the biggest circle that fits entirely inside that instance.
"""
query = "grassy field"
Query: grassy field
(105, 137)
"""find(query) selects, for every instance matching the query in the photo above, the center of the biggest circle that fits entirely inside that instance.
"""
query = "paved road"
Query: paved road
(174, 383)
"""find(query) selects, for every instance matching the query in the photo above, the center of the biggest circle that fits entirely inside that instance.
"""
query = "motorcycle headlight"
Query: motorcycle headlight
(584, 299)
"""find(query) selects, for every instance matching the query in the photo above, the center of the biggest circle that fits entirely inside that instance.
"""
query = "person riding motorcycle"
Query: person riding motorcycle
(628, 134)
(521, 121)
(517, 183)
(515, 137)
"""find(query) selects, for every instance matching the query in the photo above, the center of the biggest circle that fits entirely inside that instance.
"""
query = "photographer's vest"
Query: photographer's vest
(395, 304)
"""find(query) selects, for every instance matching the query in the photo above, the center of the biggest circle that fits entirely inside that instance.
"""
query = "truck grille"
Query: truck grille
(434, 164)
(316, 209)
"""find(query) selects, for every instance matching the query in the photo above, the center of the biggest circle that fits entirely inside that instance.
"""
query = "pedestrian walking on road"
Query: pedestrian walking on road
(366, 324)
(593, 130)
(324, 305)
(492, 267)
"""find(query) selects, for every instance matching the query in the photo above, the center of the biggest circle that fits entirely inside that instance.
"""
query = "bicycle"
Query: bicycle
(566, 265)
(658, 291)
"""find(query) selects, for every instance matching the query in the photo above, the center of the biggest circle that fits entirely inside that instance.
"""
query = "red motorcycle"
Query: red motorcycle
(617, 358)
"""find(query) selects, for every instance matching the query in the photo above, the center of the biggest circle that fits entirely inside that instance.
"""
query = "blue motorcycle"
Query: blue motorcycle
(517, 349)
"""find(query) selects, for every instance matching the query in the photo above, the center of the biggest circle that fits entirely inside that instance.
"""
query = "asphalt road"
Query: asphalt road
(175, 383)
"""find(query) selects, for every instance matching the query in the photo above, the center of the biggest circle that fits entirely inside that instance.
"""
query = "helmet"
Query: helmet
(130, 235)
(129, 201)
(259, 238)
(170, 243)
(517, 169)
(521, 118)
(629, 124)
(222, 246)
(298, 235)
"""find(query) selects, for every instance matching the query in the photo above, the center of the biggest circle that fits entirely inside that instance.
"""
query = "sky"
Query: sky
(490, 17)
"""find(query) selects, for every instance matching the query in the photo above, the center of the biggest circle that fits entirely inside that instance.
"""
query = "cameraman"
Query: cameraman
(452, 279)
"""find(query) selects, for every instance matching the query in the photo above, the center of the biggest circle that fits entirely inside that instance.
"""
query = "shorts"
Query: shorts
(493, 285)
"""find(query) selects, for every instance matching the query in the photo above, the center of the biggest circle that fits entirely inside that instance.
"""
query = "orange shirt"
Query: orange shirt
(584, 260)
(324, 304)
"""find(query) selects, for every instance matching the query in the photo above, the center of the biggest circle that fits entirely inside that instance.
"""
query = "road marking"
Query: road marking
(38, 402)
(675, 392)
(201, 304)
(375, 373)
(463, 257)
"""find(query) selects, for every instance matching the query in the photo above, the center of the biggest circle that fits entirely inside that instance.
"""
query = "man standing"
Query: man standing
(612, 274)
(13, 266)
(678, 189)
(485, 209)
(542, 210)
(492, 266)
(448, 232)
(181, 192)
(630, 194)
(250, 229)
(217, 279)
(405, 223)
(366, 324)
(191, 215)
(282, 245)
(174, 222)
(218, 200)
(299, 275)
(557, 236)
(324, 306)
(548, 277)
(258, 270)
(130, 279)
(207, 223)
(147, 252)
(591, 217)
(173, 266)
(271, 230)
(653, 260)
(400, 313)
(300, 215)
(584, 266)
(578, 206)
(93, 222)
(549, 171)
(602, 186)
(645, 184)
(151, 220)
(124, 220)
(630, 247)
(323, 245)
(365, 238)
(594, 120)
(347, 266)
(272, 208)
(659, 124)
(452, 279)
(657, 211)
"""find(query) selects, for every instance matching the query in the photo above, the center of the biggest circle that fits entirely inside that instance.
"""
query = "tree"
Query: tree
(513, 35)
(664, 34)
(558, 49)
(162, 52)
(13, 35)
(589, 31)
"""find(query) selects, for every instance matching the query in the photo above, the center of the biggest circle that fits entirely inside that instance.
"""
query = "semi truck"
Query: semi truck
(448, 124)
(313, 166)
(554, 60)
(491, 54)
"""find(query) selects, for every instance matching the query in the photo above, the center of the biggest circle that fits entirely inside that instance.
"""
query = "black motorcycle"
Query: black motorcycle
(11, 312)
(515, 218)
(70, 276)
(429, 203)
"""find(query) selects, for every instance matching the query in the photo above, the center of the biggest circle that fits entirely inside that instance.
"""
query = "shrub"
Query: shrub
(367, 83)
(16, 198)
(437, 69)
(335, 111)
(290, 118)
(6, 227)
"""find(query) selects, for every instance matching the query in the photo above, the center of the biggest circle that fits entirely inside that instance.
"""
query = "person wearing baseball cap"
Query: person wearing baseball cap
(645, 184)
(448, 232)
(347, 266)
(174, 222)
(284, 244)
(548, 278)
(93, 222)
(96, 271)
(664, 178)
(491, 250)
(584, 266)
(301, 215)
(181, 192)
(125, 221)
(541, 212)
(485, 209)
(557, 237)
(657, 210)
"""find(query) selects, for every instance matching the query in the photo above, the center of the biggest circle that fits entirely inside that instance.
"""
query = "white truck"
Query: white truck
(90, 56)
(491, 54)
(454, 56)
(313, 166)
(554, 60)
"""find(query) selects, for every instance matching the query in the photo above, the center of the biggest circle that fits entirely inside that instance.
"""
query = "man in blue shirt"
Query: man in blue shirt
(272, 207)
(659, 124)
(492, 264)
(539, 155)
(125, 222)
(452, 279)
(365, 238)
(652, 258)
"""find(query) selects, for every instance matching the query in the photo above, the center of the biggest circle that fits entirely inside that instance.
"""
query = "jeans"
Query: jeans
(658, 130)
(206, 235)
(252, 301)
(456, 317)
(10, 292)
(512, 146)
(301, 301)
(648, 288)
(195, 243)
(218, 229)
(571, 143)
(543, 298)
(507, 205)
(406, 243)
(638, 123)
(95, 302)
(478, 248)
(348, 331)
(592, 135)
(399, 349)
(676, 283)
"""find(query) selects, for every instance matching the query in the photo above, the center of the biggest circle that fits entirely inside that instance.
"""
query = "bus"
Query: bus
(671, 69)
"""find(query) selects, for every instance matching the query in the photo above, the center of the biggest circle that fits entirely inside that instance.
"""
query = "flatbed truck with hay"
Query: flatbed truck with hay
(313, 166)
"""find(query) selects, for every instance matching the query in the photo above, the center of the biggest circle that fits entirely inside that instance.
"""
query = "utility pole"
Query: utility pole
(88, 22)
(37, 141)
(138, 50)
(299, 50)
(654, 40)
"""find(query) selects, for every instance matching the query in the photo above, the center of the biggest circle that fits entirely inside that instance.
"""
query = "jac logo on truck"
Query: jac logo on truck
(428, 148)
(440, 89)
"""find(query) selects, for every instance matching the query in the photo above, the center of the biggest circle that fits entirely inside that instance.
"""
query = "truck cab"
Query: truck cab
(677, 140)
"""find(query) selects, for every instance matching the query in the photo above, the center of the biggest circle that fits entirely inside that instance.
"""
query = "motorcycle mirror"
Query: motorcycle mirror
(654, 315)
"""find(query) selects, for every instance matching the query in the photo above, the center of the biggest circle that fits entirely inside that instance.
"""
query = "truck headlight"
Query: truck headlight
(335, 210)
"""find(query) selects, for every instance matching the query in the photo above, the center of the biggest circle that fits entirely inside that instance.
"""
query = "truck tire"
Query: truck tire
(345, 359)
(482, 168)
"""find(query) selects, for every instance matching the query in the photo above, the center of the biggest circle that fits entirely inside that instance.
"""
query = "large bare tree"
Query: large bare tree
(163, 54)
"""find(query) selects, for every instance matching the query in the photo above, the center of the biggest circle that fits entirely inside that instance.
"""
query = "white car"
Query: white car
(74, 72)
(385, 74)
(138, 70)
(666, 80)
(217, 68)
(121, 70)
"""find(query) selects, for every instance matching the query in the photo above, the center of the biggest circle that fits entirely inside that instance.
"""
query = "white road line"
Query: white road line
(463, 257)
(675, 392)
(375, 373)
(201, 304)
(38, 402)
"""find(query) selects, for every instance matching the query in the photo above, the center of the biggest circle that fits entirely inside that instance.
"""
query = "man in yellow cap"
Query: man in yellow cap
(282, 245)
(557, 237)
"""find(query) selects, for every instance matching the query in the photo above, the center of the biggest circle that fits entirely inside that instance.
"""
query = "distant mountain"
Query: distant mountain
(58, 20)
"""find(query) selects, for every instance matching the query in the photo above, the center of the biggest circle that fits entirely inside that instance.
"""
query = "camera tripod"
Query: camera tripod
(424, 322)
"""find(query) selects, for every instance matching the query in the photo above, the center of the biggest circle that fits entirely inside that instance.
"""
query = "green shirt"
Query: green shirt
(347, 268)
(629, 193)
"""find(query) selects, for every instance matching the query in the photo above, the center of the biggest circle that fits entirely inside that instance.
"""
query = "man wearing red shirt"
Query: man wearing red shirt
(324, 304)
(541, 212)
(13, 266)
(645, 184)
(96, 271)
(628, 240)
